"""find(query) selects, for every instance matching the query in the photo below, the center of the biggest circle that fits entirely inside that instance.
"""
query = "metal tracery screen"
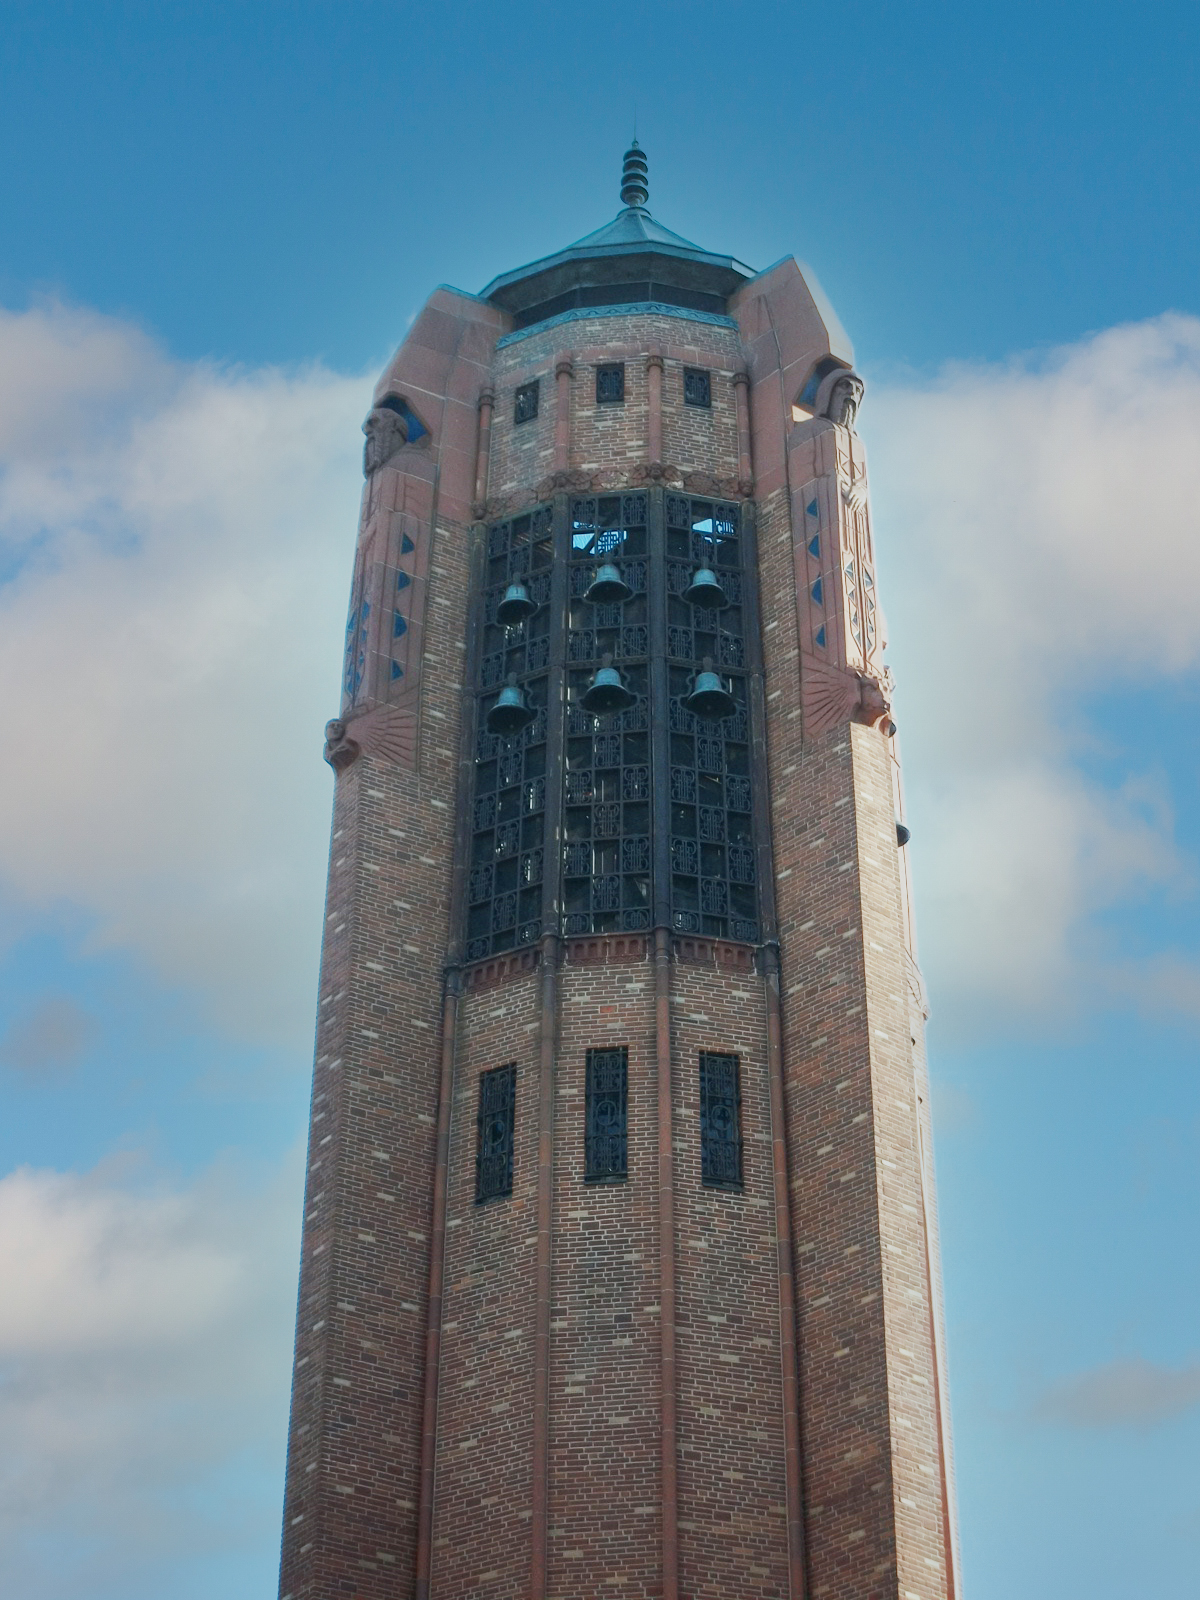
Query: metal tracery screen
(720, 1121)
(653, 806)
(509, 804)
(494, 1134)
(607, 778)
(606, 1127)
(712, 836)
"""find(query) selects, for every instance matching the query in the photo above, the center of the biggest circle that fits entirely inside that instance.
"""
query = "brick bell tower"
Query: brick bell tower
(620, 1270)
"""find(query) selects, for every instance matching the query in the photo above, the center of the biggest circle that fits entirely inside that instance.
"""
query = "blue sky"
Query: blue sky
(215, 224)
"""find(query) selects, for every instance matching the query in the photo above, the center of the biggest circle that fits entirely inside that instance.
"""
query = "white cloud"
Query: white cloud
(1037, 524)
(144, 1340)
(177, 541)
(1128, 1393)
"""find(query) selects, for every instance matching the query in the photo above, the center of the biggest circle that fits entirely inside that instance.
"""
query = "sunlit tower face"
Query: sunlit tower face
(620, 1269)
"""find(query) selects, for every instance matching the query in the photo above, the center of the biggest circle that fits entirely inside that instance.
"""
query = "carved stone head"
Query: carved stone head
(340, 752)
(845, 397)
(386, 431)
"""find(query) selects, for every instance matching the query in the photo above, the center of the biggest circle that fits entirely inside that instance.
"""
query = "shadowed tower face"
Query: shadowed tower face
(620, 1270)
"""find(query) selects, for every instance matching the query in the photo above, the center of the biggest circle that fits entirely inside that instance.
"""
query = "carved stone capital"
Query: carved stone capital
(654, 473)
(707, 483)
(741, 380)
(654, 359)
(564, 367)
(555, 482)
(487, 397)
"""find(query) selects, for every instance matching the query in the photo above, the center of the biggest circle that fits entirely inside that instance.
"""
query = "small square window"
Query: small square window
(525, 407)
(607, 1093)
(720, 1121)
(610, 384)
(494, 1134)
(697, 386)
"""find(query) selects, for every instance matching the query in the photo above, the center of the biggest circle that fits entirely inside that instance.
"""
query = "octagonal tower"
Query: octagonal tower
(620, 1270)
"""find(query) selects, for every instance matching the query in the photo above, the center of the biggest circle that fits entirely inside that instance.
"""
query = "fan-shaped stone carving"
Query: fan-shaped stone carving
(389, 733)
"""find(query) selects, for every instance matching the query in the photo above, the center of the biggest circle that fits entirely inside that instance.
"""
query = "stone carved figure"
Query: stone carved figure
(340, 751)
(844, 399)
(386, 431)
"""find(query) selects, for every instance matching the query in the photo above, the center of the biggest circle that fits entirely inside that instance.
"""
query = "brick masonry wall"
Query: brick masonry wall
(604, 1375)
(873, 1505)
(733, 1538)
(350, 1506)
(484, 1456)
(615, 437)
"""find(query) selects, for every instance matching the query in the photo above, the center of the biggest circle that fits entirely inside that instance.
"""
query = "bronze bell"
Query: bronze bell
(608, 587)
(516, 605)
(606, 692)
(510, 715)
(710, 699)
(705, 589)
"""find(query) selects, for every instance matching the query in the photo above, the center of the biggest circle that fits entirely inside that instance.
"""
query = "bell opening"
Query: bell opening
(608, 587)
(510, 715)
(710, 699)
(607, 693)
(516, 606)
(705, 590)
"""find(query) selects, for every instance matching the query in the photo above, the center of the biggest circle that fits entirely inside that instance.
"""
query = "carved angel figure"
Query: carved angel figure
(845, 397)
(386, 431)
(854, 489)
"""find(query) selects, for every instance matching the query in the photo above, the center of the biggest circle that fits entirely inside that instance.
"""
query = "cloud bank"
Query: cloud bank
(175, 541)
(144, 1339)
(1037, 531)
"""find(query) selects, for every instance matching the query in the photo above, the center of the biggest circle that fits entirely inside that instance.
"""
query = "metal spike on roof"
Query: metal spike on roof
(634, 187)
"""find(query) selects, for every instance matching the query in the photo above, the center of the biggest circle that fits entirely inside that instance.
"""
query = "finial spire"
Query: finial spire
(634, 190)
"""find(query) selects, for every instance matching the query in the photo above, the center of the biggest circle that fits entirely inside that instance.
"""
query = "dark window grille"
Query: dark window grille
(610, 384)
(720, 1121)
(606, 1136)
(494, 1143)
(697, 387)
(713, 890)
(606, 784)
(506, 867)
(525, 402)
(599, 876)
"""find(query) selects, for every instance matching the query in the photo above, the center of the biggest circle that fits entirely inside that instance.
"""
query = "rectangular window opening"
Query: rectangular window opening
(494, 1139)
(607, 1096)
(610, 384)
(697, 387)
(720, 1120)
(525, 404)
